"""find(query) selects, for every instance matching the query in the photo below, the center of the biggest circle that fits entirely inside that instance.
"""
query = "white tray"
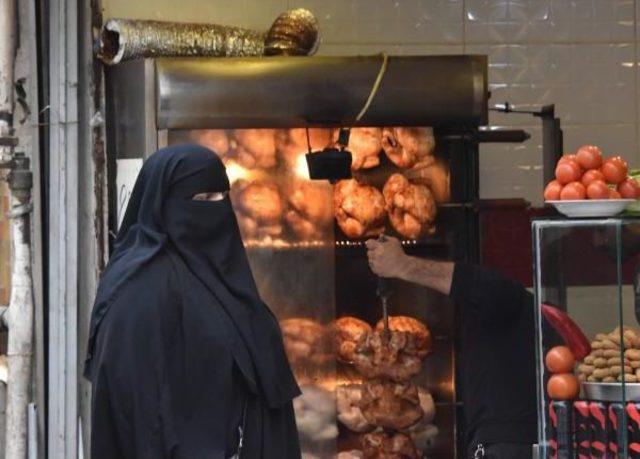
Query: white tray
(591, 207)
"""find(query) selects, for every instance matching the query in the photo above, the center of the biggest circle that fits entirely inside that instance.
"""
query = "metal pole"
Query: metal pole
(20, 312)
(33, 431)
(20, 341)
(8, 42)
(63, 248)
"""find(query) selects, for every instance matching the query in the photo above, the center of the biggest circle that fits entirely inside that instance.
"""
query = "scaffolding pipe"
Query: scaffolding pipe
(20, 311)
(8, 43)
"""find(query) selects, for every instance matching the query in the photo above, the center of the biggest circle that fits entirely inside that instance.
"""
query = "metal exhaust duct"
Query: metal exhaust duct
(294, 32)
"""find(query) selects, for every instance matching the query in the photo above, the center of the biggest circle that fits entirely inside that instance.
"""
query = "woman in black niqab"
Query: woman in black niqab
(183, 354)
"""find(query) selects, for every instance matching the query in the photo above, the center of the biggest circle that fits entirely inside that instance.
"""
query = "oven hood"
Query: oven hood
(274, 92)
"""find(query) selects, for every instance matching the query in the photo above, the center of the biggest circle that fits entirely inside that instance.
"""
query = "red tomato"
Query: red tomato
(573, 191)
(560, 359)
(568, 171)
(591, 175)
(566, 158)
(613, 194)
(620, 160)
(563, 386)
(552, 191)
(629, 189)
(598, 190)
(615, 169)
(589, 156)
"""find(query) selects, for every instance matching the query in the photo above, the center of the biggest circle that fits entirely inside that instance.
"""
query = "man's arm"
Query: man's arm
(497, 299)
(387, 259)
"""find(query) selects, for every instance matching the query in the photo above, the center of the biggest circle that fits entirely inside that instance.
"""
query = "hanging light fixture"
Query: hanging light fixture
(334, 163)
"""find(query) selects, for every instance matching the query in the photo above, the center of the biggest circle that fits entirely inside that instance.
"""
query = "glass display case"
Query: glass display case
(588, 337)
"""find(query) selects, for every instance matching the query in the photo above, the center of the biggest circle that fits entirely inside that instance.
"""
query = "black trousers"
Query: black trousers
(500, 451)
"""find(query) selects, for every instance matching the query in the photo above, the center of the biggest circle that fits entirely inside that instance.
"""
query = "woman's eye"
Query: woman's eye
(217, 196)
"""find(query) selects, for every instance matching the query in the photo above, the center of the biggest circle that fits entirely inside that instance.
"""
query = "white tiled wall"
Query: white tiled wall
(579, 54)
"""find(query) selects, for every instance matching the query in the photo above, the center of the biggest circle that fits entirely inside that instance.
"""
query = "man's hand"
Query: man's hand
(386, 258)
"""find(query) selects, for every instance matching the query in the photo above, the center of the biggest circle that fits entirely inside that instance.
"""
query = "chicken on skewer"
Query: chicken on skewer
(348, 332)
(383, 355)
(396, 354)
(409, 147)
(348, 398)
(305, 342)
(259, 208)
(255, 148)
(382, 445)
(359, 209)
(391, 405)
(365, 145)
(412, 208)
(310, 209)
(417, 329)
(436, 177)
(215, 140)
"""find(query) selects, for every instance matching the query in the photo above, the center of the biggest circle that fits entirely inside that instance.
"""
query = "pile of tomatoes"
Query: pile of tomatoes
(587, 175)
(563, 384)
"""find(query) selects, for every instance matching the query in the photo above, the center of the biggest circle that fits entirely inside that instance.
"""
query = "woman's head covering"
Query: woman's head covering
(162, 213)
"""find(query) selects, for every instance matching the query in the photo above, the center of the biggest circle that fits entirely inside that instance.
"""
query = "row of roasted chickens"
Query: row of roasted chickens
(364, 408)
(393, 414)
(396, 354)
(267, 148)
(264, 209)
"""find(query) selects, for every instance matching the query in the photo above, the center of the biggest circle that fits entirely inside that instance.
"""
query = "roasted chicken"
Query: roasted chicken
(412, 208)
(365, 145)
(259, 208)
(310, 209)
(387, 355)
(348, 332)
(436, 177)
(305, 341)
(255, 148)
(408, 147)
(421, 336)
(214, 139)
(382, 445)
(390, 405)
(359, 209)
(315, 413)
(348, 399)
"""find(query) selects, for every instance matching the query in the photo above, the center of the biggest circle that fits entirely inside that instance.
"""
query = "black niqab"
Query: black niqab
(209, 275)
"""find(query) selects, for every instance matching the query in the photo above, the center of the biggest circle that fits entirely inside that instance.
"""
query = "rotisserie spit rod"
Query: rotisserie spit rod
(383, 290)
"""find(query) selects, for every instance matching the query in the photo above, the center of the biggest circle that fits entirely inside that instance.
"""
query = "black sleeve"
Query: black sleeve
(497, 300)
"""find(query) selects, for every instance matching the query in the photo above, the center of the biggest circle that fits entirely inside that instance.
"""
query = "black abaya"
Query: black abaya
(181, 346)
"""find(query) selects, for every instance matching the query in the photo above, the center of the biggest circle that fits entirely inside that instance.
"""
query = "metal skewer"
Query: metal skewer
(383, 290)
